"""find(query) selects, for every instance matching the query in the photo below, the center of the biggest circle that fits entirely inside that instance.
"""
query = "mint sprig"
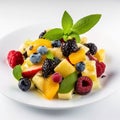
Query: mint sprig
(17, 72)
(86, 23)
(70, 30)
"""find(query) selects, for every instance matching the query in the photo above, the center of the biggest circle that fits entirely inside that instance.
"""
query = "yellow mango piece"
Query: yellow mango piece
(64, 68)
(77, 56)
(100, 55)
(50, 88)
(36, 44)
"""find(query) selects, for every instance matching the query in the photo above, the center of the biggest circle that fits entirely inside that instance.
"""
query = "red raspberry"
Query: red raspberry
(100, 68)
(83, 85)
(57, 77)
(15, 58)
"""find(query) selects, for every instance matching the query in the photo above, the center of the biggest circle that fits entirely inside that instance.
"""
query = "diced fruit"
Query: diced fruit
(68, 47)
(38, 80)
(24, 84)
(42, 50)
(83, 47)
(80, 66)
(64, 68)
(50, 88)
(92, 48)
(56, 43)
(68, 83)
(57, 77)
(100, 55)
(78, 56)
(90, 70)
(83, 40)
(31, 71)
(83, 85)
(23, 47)
(57, 52)
(96, 84)
(66, 96)
(15, 58)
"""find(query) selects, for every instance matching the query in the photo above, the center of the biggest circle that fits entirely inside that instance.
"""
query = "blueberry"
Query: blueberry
(24, 84)
(35, 58)
(80, 66)
(42, 50)
(56, 43)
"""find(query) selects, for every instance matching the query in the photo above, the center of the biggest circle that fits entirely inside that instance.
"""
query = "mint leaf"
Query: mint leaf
(17, 72)
(76, 36)
(49, 55)
(86, 23)
(67, 22)
(68, 83)
(54, 34)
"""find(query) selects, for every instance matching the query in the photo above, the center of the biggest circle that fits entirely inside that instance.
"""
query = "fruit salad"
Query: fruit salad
(60, 63)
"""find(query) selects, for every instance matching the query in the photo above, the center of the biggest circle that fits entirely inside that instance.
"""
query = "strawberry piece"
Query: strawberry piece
(15, 58)
(30, 72)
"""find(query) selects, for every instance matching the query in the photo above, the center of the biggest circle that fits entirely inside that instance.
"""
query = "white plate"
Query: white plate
(8, 85)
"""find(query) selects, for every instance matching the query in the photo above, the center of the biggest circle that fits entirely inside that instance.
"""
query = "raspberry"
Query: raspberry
(57, 77)
(15, 58)
(100, 68)
(83, 85)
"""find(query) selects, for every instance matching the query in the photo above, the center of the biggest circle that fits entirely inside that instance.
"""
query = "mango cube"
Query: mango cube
(77, 56)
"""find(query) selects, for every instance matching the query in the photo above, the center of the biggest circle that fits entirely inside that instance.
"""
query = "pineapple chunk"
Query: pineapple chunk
(65, 96)
(100, 55)
(38, 80)
(23, 47)
(83, 40)
(83, 47)
(96, 85)
(57, 52)
(64, 68)
(90, 71)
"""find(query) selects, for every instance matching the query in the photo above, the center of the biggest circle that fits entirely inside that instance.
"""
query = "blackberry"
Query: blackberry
(92, 48)
(48, 66)
(68, 47)
(42, 34)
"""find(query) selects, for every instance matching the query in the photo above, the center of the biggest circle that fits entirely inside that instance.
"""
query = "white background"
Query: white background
(18, 14)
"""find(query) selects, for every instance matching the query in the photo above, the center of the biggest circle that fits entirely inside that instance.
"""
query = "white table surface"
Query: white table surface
(16, 14)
